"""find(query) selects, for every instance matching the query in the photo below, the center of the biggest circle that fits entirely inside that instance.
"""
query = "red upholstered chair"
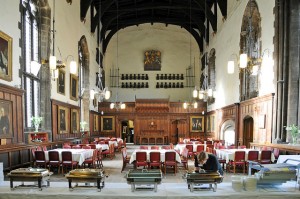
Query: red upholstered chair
(265, 157)
(276, 153)
(155, 147)
(40, 159)
(184, 158)
(54, 160)
(242, 147)
(208, 142)
(126, 158)
(191, 152)
(154, 159)
(110, 152)
(141, 159)
(221, 161)
(86, 147)
(67, 160)
(76, 147)
(66, 146)
(253, 156)
(199, 149)
(93, 146)
(166, 147)
(239, 160)
(92, 161)
(124, 143)
(38, 148)
(144, 147)
(170, 161)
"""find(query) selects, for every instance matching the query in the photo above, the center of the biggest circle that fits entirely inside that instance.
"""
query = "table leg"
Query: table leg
(40, 184)
(98, 185)
(70, 185)
(11, 184)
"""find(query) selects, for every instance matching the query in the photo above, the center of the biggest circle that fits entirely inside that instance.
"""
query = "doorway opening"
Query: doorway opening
(248, 131)
(127, 131)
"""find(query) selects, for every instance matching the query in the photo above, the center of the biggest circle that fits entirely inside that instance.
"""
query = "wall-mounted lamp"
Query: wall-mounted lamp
(103, 94)
(190, 105)
(231, 63)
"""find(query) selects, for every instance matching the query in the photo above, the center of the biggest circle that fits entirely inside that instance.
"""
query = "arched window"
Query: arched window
(30, 52)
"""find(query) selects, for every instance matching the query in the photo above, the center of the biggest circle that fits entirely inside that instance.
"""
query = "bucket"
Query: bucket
(237, 183)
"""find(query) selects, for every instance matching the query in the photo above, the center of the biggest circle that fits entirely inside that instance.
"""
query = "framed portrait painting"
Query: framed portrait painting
(74, 121)
(61, 82)
(96, 123)
(5, 119)
(107, 123)
(5, 57)
(63, 120)
(73, 87)
(196, 123)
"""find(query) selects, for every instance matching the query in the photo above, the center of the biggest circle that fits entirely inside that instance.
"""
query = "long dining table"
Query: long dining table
(78, 155)
(228, 154)
(162, 154)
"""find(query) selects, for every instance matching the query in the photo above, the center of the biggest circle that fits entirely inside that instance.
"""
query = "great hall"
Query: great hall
(132, 73)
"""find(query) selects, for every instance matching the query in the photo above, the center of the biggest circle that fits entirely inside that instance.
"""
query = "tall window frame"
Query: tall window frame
(30, 52)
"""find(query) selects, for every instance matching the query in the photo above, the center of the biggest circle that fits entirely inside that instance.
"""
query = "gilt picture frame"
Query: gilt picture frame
(5, 57)
(196, 123)
(75, 126)
(61, 82)
(73, 87)
(107, 124)
(63, 120)
(96, 123)
(6, 117)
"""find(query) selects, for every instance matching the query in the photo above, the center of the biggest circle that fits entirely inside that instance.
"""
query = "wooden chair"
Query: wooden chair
(155, 147)
(239, 160)
(92, 161)
(184, 158)
(190, 149)
(86, 147)
(154, 160)
(93, 146)
(199, 149)
(170, 161)
(54, 160)
(141, 159)
(76, 146)
(67, 160)
(276, 153)
(110, 152)
(265, 157)
(166, 147)
(33, 156)
(40, 159)
(252, 156)
(221, 161)
(144, 147)
(125, 157)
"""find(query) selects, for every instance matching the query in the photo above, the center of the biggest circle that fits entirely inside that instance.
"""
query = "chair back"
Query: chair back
(76, 147)
(93, 146)
(39, 155)
(141, 156)
(66, 156)
(185, 153)
(124, 153)
(239, 156)
(53, 156)
(276, 152)
(66, 146)
(253, 155)
(155, 147)
(200, 148)
(170, 156)
(208, 142)
(166, 147)
(86, 147)
(154, 156)
(265, 157)
(242, 147)
(189, 147)
(144, 147)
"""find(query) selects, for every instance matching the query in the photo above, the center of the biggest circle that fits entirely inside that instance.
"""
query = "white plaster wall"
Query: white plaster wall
(226, 42)
(9, 19)
(69, 30)
(174, 44)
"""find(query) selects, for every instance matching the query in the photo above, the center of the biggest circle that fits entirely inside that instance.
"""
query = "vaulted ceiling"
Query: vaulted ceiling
(118, 14)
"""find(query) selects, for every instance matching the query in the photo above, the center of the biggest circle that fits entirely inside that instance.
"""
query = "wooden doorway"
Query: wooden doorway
(248, 131)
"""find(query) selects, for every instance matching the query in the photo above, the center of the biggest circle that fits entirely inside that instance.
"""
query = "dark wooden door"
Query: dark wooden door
(248, 131)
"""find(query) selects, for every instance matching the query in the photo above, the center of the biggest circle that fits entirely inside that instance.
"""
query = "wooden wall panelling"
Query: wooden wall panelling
(15, 96)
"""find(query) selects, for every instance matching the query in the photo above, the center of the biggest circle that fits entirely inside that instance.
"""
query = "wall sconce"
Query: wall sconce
(204, 94)
(231, 63)
(190, 105)
(103, 94)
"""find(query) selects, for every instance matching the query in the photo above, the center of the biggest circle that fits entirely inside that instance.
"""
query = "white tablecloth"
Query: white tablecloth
(103, 146)
(228, 154)
(162, 155)
(78, 155)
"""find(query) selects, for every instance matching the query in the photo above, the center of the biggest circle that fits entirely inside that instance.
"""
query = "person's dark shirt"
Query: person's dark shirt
(212, 164)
